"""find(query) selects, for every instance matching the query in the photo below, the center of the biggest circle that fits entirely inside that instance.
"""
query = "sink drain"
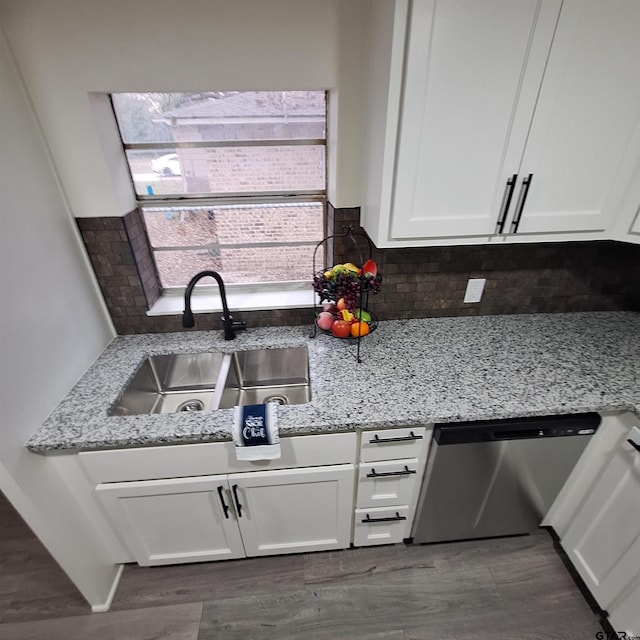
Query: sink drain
(191, 405)
(276, 399)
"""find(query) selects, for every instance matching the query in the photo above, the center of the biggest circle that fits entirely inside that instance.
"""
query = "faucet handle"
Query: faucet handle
(231, 326)
(238, 325)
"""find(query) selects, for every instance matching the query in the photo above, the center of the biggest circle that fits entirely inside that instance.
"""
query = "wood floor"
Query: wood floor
(511, 588)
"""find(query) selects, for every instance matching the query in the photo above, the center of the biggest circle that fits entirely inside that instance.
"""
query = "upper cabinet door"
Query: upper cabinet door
(585, 118)
(471, 78)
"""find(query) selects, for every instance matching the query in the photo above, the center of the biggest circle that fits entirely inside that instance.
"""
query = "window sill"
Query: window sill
(242, 299)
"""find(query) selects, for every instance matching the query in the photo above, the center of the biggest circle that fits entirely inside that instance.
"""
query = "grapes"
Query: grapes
(346, 285)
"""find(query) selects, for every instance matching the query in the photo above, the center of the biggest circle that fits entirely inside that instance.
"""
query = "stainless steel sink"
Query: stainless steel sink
(171, 383)
(208, 381)
(267, 375)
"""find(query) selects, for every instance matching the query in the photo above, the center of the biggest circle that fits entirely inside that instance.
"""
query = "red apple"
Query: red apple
(341, 329)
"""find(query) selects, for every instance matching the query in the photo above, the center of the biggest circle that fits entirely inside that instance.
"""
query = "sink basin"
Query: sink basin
(267, 375)
(205, 381)
(171, 383)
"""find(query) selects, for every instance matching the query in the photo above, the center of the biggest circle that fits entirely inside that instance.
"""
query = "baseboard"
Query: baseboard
(105, 606)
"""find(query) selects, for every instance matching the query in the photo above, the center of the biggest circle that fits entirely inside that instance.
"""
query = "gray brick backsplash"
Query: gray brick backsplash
(418, 282)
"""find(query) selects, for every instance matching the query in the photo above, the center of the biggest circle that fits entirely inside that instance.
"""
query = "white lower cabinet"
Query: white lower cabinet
(394, 444)
(294, 510)
(381, 525)
(603, 538)
(173, 521)
(389, 482)
(183, 520)
(390, 472)
(623, 614)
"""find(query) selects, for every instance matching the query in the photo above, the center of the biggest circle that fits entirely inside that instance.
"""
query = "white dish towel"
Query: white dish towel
(255, 432)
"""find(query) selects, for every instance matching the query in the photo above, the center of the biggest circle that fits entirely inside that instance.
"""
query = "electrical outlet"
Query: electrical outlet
(475, 287)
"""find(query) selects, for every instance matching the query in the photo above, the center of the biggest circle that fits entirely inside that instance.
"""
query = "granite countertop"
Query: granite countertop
(413, 372)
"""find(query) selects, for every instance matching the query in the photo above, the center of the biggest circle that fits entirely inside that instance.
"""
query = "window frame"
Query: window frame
(176, 200)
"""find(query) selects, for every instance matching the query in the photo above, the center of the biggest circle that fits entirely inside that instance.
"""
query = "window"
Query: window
(234, 181)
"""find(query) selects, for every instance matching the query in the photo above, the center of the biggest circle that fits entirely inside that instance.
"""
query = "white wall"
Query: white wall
(52, 326)
(68, 48)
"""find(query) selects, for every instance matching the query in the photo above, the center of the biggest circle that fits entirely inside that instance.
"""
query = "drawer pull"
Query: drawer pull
(405, 472)
(378, 440)
(635, 445)
(395, 518)
(225, 506)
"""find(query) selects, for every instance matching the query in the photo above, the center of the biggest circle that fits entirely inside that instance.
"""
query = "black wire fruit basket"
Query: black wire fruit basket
(341, 308)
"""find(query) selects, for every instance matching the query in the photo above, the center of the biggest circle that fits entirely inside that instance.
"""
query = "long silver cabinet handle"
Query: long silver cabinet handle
(506, 201)
(524, 192)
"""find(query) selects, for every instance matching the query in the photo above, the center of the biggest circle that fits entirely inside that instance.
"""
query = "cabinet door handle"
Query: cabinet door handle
(237, 500)
(377, 440)
(395, 518)
(225, 506)
(405, 472)
(506, 201)
(524, 192)
(635, 445)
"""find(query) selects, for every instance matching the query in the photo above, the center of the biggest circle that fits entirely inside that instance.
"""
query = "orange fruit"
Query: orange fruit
(359, 329)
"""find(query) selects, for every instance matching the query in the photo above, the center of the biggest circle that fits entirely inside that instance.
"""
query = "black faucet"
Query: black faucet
(230, 325)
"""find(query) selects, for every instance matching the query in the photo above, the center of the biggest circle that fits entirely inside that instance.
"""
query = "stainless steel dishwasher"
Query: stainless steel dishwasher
(497, 478)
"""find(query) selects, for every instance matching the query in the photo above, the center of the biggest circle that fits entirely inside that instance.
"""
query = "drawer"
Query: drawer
(213, 458)
(394, 444)
(387, 483)
(386, 525)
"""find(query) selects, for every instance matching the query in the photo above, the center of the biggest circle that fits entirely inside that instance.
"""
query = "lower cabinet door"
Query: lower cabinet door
(603, 540)
(381, 525)
(174, 521)
(624, 615)
(294, 510)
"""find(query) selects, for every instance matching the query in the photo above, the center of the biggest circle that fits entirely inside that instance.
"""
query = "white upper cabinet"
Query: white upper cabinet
(471, 79)
(585, 118)
(513, 118)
